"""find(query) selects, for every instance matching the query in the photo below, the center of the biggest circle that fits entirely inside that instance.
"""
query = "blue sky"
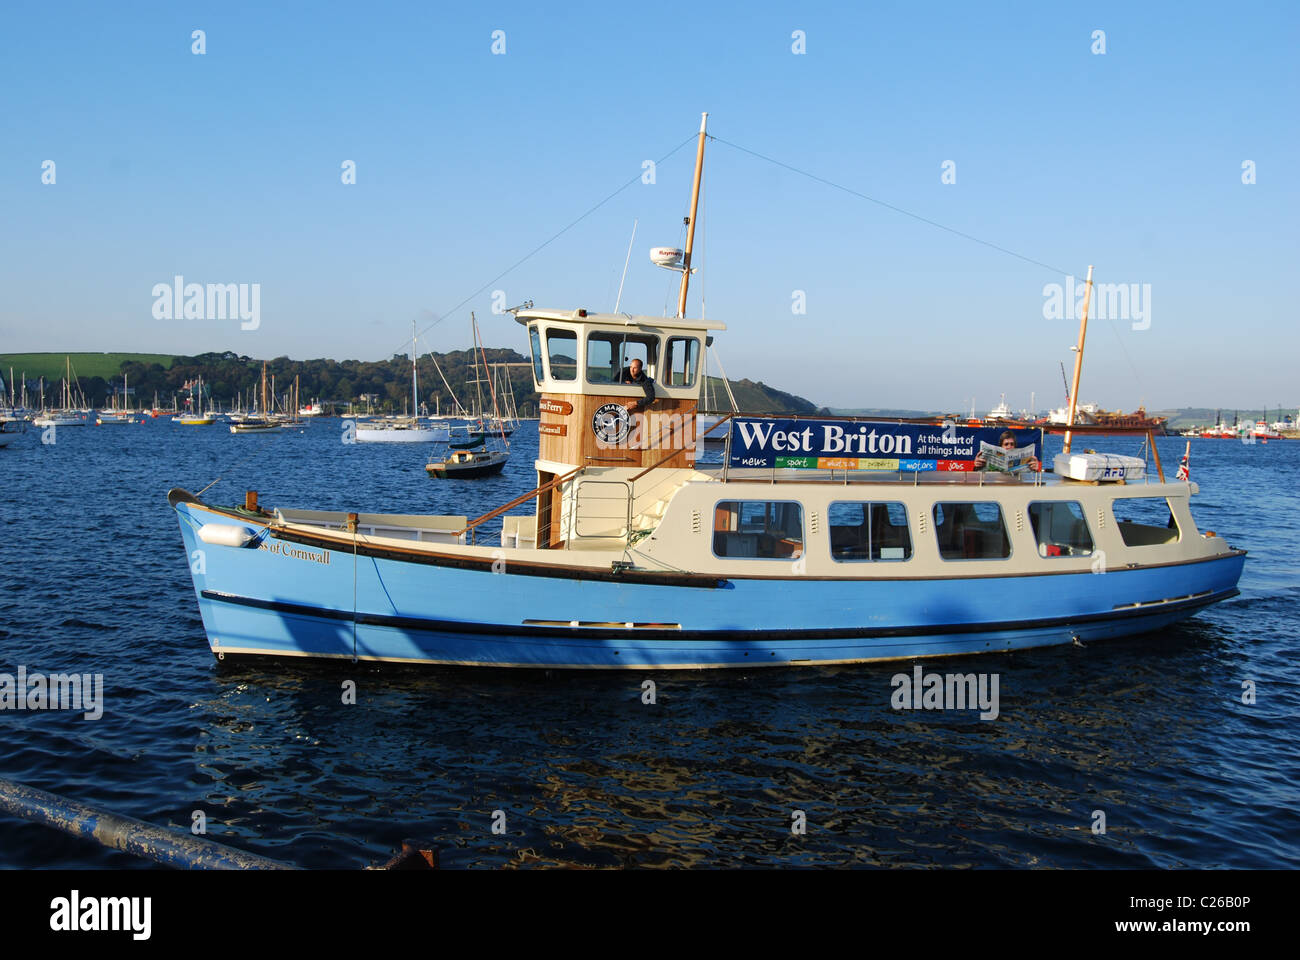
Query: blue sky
(225, 168)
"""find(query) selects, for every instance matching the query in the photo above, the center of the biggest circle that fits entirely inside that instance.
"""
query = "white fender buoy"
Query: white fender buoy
(225, 535)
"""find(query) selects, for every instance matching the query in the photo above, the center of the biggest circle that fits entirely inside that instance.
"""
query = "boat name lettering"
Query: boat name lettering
(297, 553)
(562, 407)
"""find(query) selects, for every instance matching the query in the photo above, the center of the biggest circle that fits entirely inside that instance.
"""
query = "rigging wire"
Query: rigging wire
(890, 206)
(545, 243)
(704, 250)
(454, 399)
(926, 220)
(725, 382)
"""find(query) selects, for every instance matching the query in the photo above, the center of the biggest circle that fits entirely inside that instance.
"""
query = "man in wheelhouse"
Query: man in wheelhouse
(634, 373)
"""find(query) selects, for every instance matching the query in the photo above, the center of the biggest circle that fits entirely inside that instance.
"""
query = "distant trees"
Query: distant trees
(227, 375)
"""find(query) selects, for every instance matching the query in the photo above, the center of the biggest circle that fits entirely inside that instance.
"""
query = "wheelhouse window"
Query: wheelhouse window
(869, 531)
(562, 354)
(1145, 521)
(758, 529)
(535, 340)
(1060, 529)
(608, 353)
(971, 531)
(680, 361)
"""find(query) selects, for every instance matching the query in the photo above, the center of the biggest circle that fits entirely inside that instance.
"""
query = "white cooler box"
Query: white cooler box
(1099, 466)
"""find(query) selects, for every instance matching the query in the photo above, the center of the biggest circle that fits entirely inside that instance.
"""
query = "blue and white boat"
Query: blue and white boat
(813, 542)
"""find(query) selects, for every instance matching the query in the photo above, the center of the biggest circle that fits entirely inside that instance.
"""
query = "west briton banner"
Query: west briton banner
(862, 445)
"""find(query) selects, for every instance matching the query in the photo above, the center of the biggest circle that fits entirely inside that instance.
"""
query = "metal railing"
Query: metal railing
(522, 498)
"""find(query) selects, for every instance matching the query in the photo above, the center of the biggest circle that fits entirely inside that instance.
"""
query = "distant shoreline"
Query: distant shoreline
(755, 397)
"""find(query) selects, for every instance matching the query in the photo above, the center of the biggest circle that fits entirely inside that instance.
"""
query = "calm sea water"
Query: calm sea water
(1151, 731)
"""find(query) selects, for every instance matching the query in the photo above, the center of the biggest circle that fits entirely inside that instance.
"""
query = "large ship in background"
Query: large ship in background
(1092, 415)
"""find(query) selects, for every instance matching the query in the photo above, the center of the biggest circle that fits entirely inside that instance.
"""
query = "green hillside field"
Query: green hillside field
(51, 365)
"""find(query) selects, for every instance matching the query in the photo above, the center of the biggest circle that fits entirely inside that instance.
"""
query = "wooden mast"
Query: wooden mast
(1078, 361)
(690, 223)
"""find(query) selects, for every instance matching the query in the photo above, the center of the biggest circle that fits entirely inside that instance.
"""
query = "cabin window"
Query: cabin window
(1145, 521)
(609, 353)
(1060, 529)
(869, 531)
(680, 361)
(971, 531)
(536, 341)
(758, 529)
(562, 354)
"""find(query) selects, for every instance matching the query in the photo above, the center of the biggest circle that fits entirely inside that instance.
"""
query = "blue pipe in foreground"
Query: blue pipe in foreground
(126, 834)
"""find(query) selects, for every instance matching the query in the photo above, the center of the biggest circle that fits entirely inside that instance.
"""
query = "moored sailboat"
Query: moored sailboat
(403, 429)
(120, 416)
(259, 423)
(65, 416)
(467, 459)
(195, 416)
(476, 453)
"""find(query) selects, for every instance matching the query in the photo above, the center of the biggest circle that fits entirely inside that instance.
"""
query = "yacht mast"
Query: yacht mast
(690, 223)
(415, 381)
(496, 411)
(1078, 361)
(478, 393)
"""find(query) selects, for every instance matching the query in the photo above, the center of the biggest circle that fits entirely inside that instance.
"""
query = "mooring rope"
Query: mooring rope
(353, 522)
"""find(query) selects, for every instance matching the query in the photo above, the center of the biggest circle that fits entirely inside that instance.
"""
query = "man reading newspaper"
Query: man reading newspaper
(1006, 457)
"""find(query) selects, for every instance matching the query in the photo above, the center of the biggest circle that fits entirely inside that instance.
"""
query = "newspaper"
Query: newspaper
(1006, 461)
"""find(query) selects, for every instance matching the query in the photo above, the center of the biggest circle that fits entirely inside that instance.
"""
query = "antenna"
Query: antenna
(625, 263)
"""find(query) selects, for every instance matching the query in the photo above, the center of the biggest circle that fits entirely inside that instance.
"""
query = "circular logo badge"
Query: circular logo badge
(611, 424)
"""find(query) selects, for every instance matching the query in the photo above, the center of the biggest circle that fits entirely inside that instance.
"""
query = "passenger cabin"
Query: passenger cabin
(591, 418)
(621, 473)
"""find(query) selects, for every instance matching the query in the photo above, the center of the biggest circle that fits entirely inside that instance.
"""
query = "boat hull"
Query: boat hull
(443, 611)
(443, 471)
(435, 435)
